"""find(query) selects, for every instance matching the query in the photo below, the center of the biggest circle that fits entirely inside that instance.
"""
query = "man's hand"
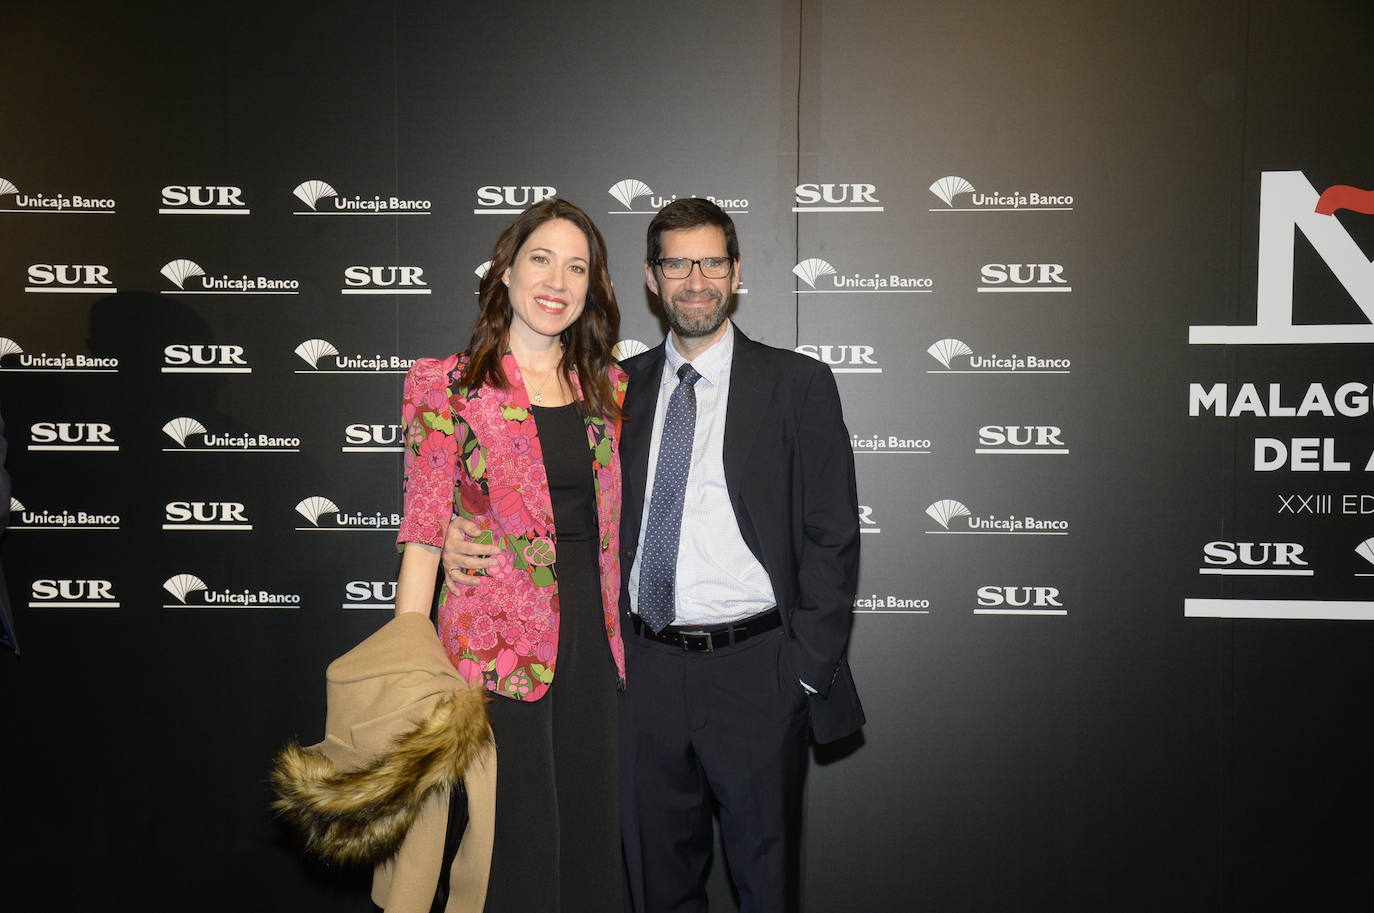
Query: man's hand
(461, 553)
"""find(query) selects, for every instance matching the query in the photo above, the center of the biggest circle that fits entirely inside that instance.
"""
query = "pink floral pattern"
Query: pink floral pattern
(475, 453)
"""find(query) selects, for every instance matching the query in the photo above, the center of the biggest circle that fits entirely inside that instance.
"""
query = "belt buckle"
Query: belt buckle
(704, 638)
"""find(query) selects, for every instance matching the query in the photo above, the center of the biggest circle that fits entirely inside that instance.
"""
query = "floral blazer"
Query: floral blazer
(475, 453)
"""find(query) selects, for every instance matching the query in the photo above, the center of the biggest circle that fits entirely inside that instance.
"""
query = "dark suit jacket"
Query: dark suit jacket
(789, 468)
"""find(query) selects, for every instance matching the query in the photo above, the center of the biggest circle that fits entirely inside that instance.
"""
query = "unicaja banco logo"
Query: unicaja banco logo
(179, 429)
(21, 517)
(182, 428)
(627, 348)
(946, 511)
(183, 585)
(53, 363)
(61, 203)
(313, 193)
(628, 190)
(1288, 204)
(182, 588)
(312, 350)
(813, 269)
(181, 272)
(948, 188)
(1366, 551)
(945, 351)
(314, 508)
(178, 271)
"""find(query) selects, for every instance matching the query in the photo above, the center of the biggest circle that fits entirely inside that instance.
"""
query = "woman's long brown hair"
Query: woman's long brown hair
(586, 342)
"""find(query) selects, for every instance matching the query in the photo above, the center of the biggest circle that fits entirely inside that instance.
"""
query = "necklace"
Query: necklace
(538, 397)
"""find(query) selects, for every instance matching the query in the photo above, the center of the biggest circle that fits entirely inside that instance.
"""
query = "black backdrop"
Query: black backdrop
(1050, 727)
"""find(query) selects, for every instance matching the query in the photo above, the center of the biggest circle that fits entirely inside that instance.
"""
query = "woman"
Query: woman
(517, 434)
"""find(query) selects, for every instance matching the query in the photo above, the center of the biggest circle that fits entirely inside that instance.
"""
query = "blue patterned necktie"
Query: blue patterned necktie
(658, 558)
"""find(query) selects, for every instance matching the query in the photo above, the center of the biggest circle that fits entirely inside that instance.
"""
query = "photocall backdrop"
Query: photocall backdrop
(1095, 283)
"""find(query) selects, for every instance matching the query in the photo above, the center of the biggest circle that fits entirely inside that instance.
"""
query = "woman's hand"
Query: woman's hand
(461, 553)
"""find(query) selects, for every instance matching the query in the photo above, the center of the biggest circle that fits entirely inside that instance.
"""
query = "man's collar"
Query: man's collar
(710, 364)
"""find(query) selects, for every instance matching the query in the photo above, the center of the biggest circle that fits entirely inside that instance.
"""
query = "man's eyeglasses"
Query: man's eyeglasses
(681, 267)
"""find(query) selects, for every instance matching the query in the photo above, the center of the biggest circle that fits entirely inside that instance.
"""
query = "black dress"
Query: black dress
(557, 845)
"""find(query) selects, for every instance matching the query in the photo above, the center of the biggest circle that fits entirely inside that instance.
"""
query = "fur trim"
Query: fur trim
(362, 815)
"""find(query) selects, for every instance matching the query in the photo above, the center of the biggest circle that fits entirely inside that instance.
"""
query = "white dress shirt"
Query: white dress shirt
(718, 580)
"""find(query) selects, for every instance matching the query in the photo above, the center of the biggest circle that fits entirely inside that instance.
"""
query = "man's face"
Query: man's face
(696, 306)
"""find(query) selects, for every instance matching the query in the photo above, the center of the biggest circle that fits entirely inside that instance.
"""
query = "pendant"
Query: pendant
(538, 397)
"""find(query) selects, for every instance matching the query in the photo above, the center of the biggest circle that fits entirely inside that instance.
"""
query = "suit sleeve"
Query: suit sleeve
(828, 565)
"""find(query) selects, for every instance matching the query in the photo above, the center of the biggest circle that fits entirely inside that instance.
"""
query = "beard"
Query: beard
(698, 323)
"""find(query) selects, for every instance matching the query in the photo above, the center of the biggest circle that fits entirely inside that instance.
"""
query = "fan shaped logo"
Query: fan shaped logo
(314, 509)
(312, 351)
(627, 348)
(888, 443)
(73, 593)
(948, 512)
(950, 353)
(320, 199)
(951, 189)
(361, 437)
(69, 279)
(205, 515)
(181, 430)
(1366, 551)
(60, 203)
(203, 200)
(632, 192)
(511, 199)
(1022, 277)
(14, 359)
(823, 279)
(191, 592)
(628, 190)
(21, 517)
(855, 197)
(191, 279)
(844, 359)
(384, 280)
(1288, 204)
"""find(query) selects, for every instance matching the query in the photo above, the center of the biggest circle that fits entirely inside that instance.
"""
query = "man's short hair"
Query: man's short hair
(692, 212)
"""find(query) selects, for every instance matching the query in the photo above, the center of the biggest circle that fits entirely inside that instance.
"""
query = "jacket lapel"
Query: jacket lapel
(641, 399)
(750, 390)
(537, 500)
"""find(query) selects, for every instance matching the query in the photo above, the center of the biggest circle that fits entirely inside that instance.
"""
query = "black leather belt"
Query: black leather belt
(705, 638)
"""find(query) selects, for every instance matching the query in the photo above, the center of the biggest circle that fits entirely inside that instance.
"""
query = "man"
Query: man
(740, 554)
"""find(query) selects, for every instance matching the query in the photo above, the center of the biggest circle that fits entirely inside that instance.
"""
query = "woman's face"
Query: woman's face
(547, 282)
